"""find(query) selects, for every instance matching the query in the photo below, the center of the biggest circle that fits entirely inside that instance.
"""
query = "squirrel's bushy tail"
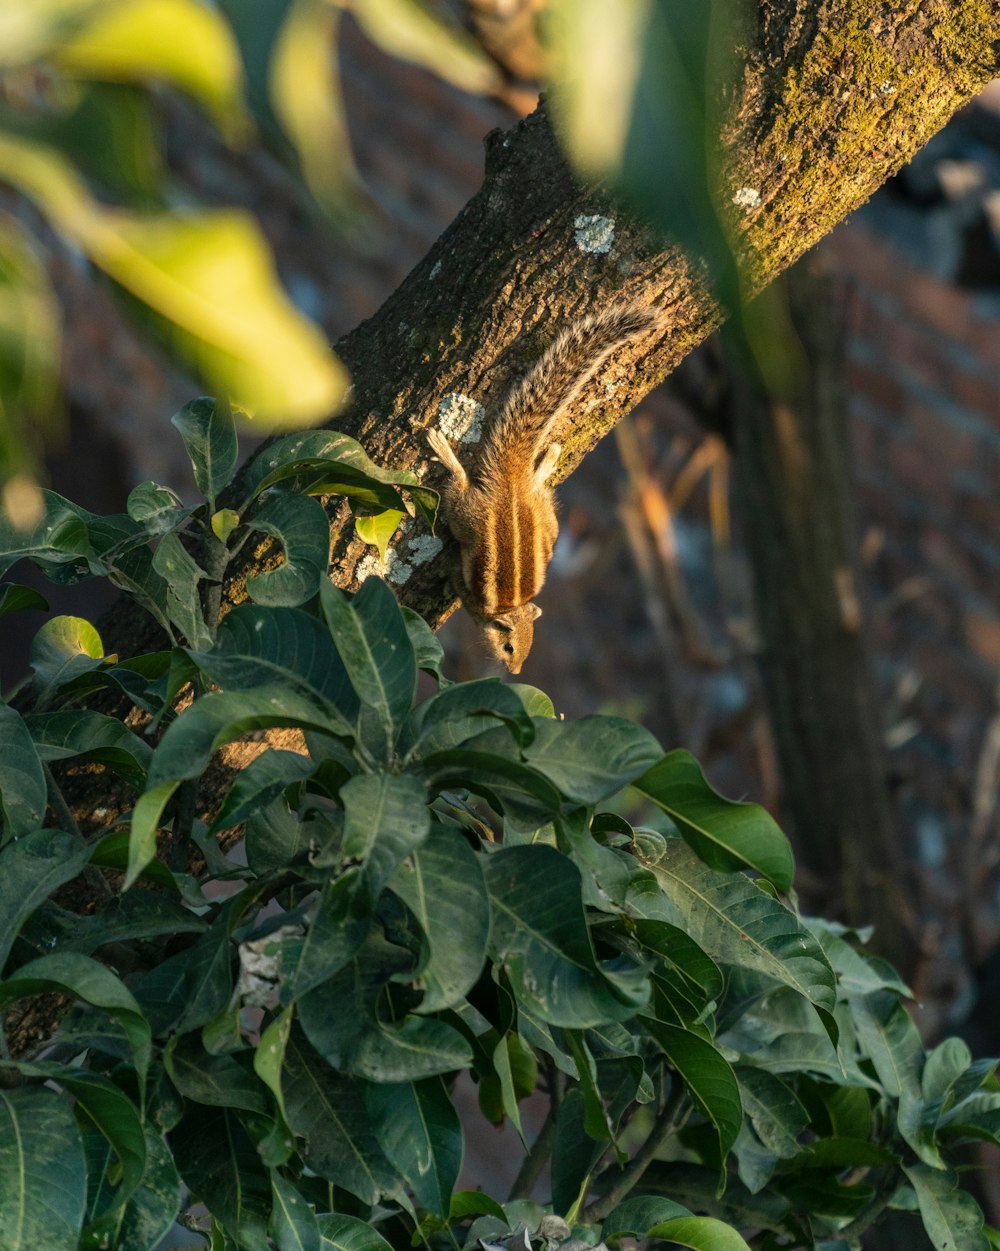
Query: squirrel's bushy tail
(551, 387)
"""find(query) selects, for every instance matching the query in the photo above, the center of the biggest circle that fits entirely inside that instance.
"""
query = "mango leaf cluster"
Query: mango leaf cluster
(432, 902)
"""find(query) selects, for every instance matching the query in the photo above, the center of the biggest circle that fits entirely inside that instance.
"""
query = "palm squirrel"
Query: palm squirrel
(503, 516)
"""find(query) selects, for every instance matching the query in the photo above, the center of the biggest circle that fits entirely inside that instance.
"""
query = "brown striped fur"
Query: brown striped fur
(504, 516)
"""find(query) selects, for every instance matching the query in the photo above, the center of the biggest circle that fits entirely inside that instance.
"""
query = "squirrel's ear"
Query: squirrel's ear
(536, 612)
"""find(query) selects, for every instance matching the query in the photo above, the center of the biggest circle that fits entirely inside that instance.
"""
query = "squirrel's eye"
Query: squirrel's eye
(509, 648)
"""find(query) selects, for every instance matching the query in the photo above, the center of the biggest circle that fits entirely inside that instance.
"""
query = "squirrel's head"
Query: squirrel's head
(510, 634)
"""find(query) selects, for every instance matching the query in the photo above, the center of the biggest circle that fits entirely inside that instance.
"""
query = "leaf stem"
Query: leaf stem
(666, 1124)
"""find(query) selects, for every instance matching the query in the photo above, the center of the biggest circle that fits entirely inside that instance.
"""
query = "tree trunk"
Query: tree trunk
(793, 481)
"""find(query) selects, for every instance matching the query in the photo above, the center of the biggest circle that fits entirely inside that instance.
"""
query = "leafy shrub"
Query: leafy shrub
(268, 1032)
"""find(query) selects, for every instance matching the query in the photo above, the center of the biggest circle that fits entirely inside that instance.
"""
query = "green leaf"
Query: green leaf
(259, 783)
(303, 86)
(220, 1165)
(31, 868)
(773, 1109)
(79, 976)
(591, 759)
(224, 522)
(91, 737)
(139, 914)
(386, 819)
(460, 712)
(635, 106)
(190, 988)
(23, 789)
(442, 884)
(60, 537)
(419, 1131)
(347, 1233)
(43, 1172)
(329, 463)
(541, 940)
(151, 1211)
(638, 1214)
(356, 1040)
(112, 1112)
(300, 524)
(951, 1217)
(328, 1111)
(293, 1222)
(217, 1080)
(17, 598)
(259, 646)
(374, 644)
(181, 573)
(701, 1233)
(574, 1153)
(726, 835)
(209, 274)
(175, 41)
(737, 923)
(378, 528)
(707, 1075)
(64, 650)
(156, 508)
(209, 432)
(426, 648)
(338, 927)
(410, 31)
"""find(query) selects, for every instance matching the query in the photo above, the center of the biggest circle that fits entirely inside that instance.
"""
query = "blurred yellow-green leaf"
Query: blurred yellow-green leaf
(182, 42)
(211, 275)
(305, 95)
(29, 29)
(408, 30)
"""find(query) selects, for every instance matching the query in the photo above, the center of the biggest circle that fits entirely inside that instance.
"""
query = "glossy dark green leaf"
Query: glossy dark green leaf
(331, 463)
(260, 646)
(726, 835)
(541, 940)
(206, 425)
(338, 927)
(217, 1080)
(442, 884)
(82, 978)
(700, 1233)
(342, 1020)
(776, 1114)
(591, 759)
(23, 788)
(346, 1233)
(43, 1172)
(300, 525)
(386, 819)
(182, 575)
(259, 783)
(462, 711)
(293, 1222)
(574, 1152)
(595, 1116)
(31, 868)
(150, 1212)
(328, 1111)
(637, 1215)
(156, 508)
(708, 1076)
(220, 1166)
(527, 800)
(951, 1216)
(63, 651)
(91, 737)
(426, 648)
(110, 1111)
(737, 923)
(61, 537)
(17, 598)
(374, 644)
(420, 1134)
(189, 988)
